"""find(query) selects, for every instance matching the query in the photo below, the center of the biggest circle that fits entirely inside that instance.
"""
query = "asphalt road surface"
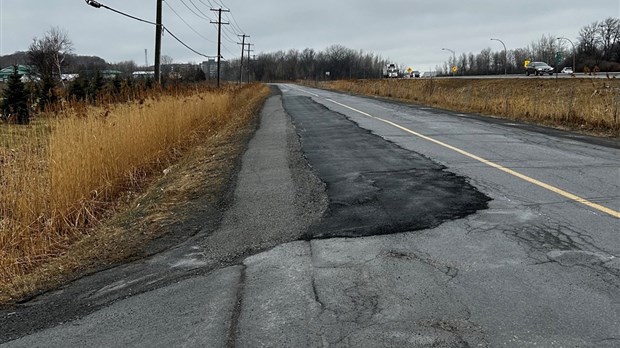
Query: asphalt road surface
(358, 222)
(599, 75)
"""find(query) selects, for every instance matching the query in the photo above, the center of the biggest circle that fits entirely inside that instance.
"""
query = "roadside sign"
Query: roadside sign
(526, 63)
(409, 70)
(558, 58)
(455, 69)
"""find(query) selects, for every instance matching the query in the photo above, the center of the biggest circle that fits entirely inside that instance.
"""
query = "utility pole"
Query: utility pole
(158, 33)
(249, 51)
(242, 50)
(219, 39)
(253, 58)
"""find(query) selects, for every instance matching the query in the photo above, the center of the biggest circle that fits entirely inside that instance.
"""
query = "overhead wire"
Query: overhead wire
(225, 32)
(188, 25)
(234, 24)
(96, 4)
(198, 9)
(232, 18)
(194, 12)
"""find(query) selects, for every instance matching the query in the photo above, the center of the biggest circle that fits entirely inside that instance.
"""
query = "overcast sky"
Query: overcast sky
(407, 32)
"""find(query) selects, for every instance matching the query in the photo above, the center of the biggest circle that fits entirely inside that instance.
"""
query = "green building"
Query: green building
(23, 70)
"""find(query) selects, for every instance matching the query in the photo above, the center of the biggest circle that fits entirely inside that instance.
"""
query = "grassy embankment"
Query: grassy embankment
(583, 104)
(60, 177)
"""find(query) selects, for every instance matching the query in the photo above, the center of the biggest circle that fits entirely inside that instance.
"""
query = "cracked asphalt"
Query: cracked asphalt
(443, 251)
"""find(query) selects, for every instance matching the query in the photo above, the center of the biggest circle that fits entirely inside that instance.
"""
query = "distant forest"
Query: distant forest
(74, 63)
(335, 62)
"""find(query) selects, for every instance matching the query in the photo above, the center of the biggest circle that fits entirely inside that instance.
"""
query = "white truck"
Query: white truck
(391, 71)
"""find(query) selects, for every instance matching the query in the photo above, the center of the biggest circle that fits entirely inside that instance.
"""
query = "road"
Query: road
(374, 223)
(600, 75)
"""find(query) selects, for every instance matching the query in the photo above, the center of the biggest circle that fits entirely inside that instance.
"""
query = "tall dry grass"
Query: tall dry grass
(59, 176)
(591, 104)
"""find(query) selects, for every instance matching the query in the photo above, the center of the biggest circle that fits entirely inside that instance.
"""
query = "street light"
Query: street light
(93, 3)
(453, 57)
(574, 51)
(505, 54)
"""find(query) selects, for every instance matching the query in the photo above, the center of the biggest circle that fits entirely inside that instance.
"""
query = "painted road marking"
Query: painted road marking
(551, 188)
(312, 94)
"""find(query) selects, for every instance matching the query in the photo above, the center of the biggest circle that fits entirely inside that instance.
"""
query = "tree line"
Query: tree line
(597, 47)
(335, 62)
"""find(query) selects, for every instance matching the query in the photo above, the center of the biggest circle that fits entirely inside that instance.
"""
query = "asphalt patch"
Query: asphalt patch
(374, 186)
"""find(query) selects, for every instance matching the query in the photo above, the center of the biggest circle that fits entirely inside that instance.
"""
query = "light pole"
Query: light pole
(505, 54)
(574, 51)
(453, 58)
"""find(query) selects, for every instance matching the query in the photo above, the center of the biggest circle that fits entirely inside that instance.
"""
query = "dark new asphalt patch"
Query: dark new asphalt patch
(374, 186)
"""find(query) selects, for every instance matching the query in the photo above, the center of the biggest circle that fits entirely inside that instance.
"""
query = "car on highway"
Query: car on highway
(567, 70)
(538, 68)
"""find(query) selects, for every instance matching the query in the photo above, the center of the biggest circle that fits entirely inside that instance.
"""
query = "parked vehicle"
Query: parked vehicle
(538, 68)
(567, 70)
(391, 71)
(415, 73)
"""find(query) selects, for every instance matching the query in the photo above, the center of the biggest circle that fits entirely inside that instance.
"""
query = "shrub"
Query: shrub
(15, 101)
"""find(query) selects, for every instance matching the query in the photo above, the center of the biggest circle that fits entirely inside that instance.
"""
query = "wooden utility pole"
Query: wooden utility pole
(242, 43)
(249, 60)
(158, 33)
(249, 51)
(219, 39)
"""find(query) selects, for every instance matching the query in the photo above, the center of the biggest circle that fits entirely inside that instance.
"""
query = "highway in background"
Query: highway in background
(600, 75)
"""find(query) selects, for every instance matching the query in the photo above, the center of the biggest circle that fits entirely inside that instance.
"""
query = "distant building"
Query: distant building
(69, 77)
(144, 74)
(177, 70)
(25, 71)
(209, 67)
(110, 74)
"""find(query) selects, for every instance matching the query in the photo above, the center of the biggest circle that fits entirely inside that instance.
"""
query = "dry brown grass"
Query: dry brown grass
(586, 104)
(60, 177)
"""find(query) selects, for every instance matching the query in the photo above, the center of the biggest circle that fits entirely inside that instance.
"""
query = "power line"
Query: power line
(231, 30)
(96, 4)
(228, 38)
(194, 12)
(188, 25)
(234, 22)
(186, 46)
(202, 13)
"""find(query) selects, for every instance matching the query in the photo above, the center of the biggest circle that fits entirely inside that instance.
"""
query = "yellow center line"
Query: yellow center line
(551, 188)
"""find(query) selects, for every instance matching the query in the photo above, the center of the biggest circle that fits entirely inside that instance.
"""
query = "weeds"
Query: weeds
(62, 174)
(585, 104)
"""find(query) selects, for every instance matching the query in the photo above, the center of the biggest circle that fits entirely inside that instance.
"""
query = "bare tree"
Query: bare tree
(166, 60)
(127, 66)
(608, 35)
(48, 54)
(588, 39)
(166, 64)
